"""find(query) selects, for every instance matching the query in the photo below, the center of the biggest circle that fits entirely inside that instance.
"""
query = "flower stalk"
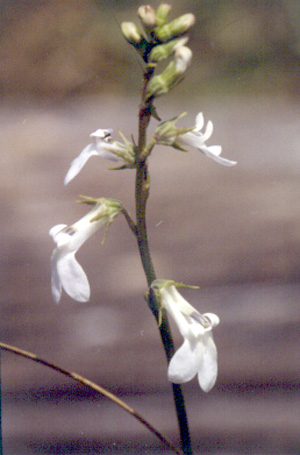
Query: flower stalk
(141, 194)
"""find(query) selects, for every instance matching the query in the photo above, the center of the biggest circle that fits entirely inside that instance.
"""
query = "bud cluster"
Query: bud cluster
(159, 41)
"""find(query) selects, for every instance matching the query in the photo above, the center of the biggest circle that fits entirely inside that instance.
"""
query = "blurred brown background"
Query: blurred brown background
(65, 71)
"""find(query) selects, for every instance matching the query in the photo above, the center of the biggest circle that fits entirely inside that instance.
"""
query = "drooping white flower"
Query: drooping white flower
(102, 145)
(197, 139)
(66, 272)
(198, 353)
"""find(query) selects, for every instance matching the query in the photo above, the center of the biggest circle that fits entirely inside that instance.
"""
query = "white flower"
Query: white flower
(197, 140)
(198, 353)
(66, 272)
(103, 146)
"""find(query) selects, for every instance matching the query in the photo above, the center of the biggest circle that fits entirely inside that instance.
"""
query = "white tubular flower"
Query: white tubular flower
(103, 146)
(66, 272)
(197, 140)
(198, 353)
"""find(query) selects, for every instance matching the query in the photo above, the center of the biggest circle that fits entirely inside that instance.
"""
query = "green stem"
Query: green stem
(1, 447)
(142, 194)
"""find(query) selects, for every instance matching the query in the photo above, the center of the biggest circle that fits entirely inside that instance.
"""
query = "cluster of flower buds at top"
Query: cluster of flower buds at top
(159, 41)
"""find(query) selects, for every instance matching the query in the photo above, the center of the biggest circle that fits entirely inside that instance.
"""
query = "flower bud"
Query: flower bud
(175, 28)
(183, 58)
(134, 36)
(147, 17)
(161, 84)
(162, 13)
(172, 75)
(131, 33)
(163, 51)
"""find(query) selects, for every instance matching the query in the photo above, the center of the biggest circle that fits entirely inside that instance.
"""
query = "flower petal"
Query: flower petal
(199, 122)
(71, 275)
(56, 229)
(190, 139)
(208, 131)
(171, 297)
(213, 152)
(213, 319)
(208, 370)
(185, 363)
(56, 285)
(78, 163)
(102, 133)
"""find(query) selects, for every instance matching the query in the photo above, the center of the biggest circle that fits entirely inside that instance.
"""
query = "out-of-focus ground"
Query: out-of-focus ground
(233, 231)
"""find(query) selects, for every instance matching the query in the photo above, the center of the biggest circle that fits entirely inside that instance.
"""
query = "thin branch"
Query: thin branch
(97, 388)
(130, 221)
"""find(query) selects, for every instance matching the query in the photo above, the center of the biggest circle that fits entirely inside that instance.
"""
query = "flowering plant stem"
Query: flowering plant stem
(142, 194)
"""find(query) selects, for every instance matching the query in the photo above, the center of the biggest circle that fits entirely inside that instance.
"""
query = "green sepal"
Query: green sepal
(159, 284)
(88, 200)
(166, 133)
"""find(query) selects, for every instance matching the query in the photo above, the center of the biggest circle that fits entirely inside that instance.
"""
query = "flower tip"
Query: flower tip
(102, 133)
(56, 229)
(67, 179)
(183, 57)
(199, 121)
(212, 318)
(56, 297)
(131, 33)
(82, 298)
(147, 16)
(207, 386)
